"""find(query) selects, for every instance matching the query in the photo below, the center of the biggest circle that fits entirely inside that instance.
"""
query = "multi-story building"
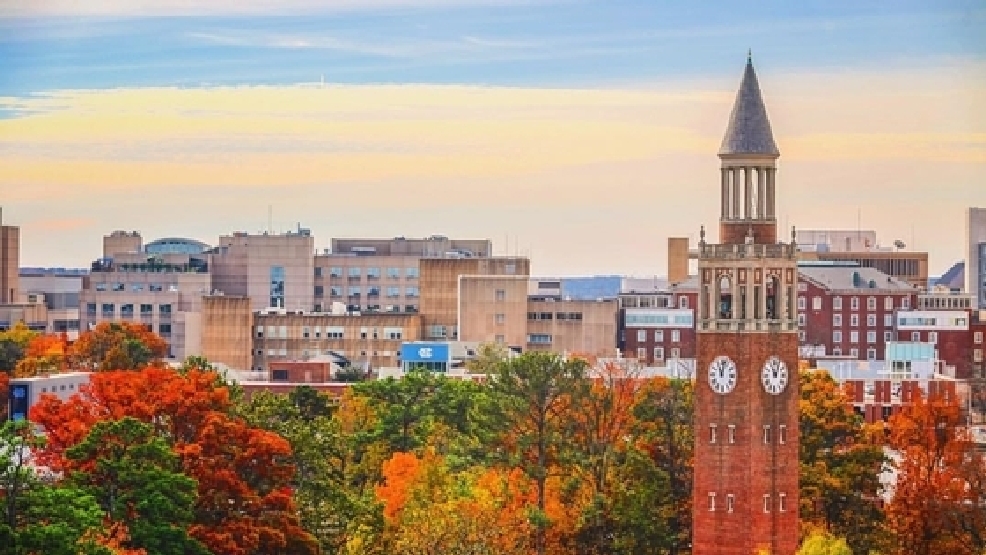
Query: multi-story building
(10, 245)
(59, 289)
(846, 309)
(273, 270)
(26, 392)
(658, 326)
(836, 240)
(907, 266)
(975, 264)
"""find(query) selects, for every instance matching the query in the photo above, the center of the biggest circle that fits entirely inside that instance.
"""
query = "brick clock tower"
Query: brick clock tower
(745, 496)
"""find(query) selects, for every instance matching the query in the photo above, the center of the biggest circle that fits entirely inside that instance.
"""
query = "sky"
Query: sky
(580, 133)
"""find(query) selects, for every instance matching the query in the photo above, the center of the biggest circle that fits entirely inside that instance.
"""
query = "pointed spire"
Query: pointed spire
(749, 128)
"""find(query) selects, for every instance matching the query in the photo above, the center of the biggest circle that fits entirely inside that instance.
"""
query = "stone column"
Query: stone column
(761, 192)
(763, 297)
(780, 308)
(770, 192)
(747, 193)
(725, 192)
(736, 191)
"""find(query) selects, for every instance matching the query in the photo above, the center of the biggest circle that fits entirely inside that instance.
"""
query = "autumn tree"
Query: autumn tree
(117, 346)
(820, 543)
(939, 500)
(13, 344)
(44, 354)
(840, 466)
(532, 394)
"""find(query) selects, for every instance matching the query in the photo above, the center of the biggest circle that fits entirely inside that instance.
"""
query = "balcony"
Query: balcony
(748, 325)
(747, 252)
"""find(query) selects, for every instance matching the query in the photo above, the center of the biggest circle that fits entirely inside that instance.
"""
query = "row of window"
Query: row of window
(837, 337)
(658, 353)
(767, 502)
(659, 336)
(411, 272)
(283, 352)
(356, 291)
(645, 301)
(731, 434)
(854, 302)
(683, 320)
(330, 332)
(135, 287)
(560, 316)
(127, 309)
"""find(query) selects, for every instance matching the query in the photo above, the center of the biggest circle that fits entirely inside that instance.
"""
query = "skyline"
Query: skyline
(610, 115)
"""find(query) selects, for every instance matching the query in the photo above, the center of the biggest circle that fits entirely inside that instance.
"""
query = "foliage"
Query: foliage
(117, 346)
(939, 501)
(840, 467)
(44, 354)
(823, 544)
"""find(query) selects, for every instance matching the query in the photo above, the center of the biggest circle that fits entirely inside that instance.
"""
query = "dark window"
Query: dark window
(279, 375)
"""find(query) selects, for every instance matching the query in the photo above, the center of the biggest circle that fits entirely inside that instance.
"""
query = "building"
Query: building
(272, 269)
(975, 263)
(26, 392)
(745, 491)
(227, 331)
(10, 257)
(847, 309)
(60, 290)
(908, 266)
(657, 327)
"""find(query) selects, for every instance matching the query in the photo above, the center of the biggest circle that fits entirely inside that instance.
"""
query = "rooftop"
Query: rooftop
(749, 128)
(842, 277)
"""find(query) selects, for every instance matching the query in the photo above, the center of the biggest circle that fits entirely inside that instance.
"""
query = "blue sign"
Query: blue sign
(20, 399)
(421, 351)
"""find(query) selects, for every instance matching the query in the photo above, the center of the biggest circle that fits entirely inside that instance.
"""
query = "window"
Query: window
(871, 320)
(888, 303)
(411, 272)
(501, 295)
(977, 337)
(411, 292)
(854, 320)
(802, 336)
(854, 336)
(335, 271)
(712, 433)
(905, 302)
(335, 291)
(729, 503)
(801, 319)
(393, 273)
(675, 336)
(854, 353)
(393, 292)
(732, 433)
(91, 309)
(682, 302)
(915, 336)
(766, 503)
(539, 338)
(888, 320)
(712, 501)
(337, 332)
(854, 303)
(641, 336)
(393, 333)
(641, 353)
(500, 339)
(836, 303)
(164, 329)
(373, 273)
(510, 268)
(888, 336)
(363, 332)
(354, 291)
(318, 271)
(837, 351)
(932, 337)
(766, 435)
(871, 337)
(782, 434)
(871, 353)
(108, 309)
(306, 332)
(675, 352)
(659, 336)
(837, 320)
(277, 278)
(802, 303)
(837, 337)
(781, 497)
(870, 303)
(658, 353)
(319, 291)
(500, 318)
(816, 303)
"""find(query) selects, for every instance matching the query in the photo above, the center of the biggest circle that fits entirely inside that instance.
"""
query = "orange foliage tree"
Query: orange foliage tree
(244, 506)
(939, 500)
(44, 353)
(117, 346)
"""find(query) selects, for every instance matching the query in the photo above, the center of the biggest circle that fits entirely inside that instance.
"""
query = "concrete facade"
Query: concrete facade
(908, 266)
(60, 291)
(367, 283)
(273, 270)
(10, 247)
(975, 262)
(227, 324)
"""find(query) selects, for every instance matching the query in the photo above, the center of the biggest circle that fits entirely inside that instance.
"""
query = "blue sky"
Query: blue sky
(552, 43)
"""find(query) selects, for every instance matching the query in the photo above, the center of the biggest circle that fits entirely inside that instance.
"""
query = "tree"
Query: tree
(44, 354)
(117, 346)
(839, 467)
(939, 500)
(16, 475)
(137, 481)
(532, 393)
(823, 544)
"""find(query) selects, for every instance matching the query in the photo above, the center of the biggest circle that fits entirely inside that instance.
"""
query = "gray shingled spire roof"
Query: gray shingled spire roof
(749, 128)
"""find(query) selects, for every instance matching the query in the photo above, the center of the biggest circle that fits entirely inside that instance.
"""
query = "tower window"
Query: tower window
(782, 434)
(729, 503)
(766, 503)
(712, 433)
(766, 435)
(712, 501)
(781, 498)
(732, 433)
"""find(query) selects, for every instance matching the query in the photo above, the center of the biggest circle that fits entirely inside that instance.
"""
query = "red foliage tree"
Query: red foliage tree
(244, 505)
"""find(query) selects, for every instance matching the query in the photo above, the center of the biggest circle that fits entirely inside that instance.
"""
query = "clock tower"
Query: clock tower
(745, 493)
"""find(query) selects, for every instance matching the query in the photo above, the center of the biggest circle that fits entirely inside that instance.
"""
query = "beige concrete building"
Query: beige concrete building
(436, 246)
(227, 324)
(59, 289)
(440, 279)
(493, 309)
(10, 245)
(122, 242)
(368, 340)
(273, 270)
(573, 326)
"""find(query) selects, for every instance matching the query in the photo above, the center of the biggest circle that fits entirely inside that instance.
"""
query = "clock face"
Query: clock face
(774, 376)
(722, 375)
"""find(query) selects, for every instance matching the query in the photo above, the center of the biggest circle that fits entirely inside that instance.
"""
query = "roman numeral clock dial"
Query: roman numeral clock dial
(774, 376)
(722, 375)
